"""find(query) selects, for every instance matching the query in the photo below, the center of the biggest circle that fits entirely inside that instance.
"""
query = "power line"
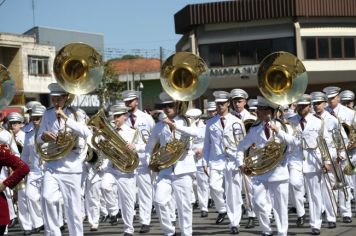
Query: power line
(3, 1)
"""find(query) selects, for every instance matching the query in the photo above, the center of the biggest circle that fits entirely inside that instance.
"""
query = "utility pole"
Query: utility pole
(33, 13)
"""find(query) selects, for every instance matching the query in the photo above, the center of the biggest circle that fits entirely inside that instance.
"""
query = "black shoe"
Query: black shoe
(145, 229)
(203, 214)
(27, 232)
(62, 228)
(331, 225)
(127, 234)
(346, 219)
(211, 203)
(119, 214)
(220, 218)
(315, 231)
(301, 221)
(267, 234)
(103, 219)
(195, 205)
(153, 211)
(13, 222)
(114, 220)
(292, 210)
(38, 229)
(234, 230)
(251, 223)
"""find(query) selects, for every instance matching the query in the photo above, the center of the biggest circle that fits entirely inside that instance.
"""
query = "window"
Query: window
(349, 47)
(229, 52)
(329, 47)
(247, 53)
(38, 65)
(215, 55)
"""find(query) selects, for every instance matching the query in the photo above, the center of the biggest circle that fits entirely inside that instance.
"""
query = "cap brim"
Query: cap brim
(318, 100)
(129, 99)
(58, 94)
(332, 95)
(167, 102)
(303, 103)
(221, 100)
(119, 113)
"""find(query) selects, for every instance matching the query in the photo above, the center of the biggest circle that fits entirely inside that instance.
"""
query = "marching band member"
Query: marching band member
(20, 170)
(218, 153)
(347, 98)
(211, 109)
(308, 129)
(176, 180)
(34, 178)
(252, 106)
(201, 177)
(29, 106)
(124, 183)
(273, 183)
(319, 101)
(238, 98)
(62, 177)
(15, 121)
(142, 121)
(348, 116)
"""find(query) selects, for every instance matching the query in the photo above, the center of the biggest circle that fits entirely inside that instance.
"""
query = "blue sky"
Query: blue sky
(126, 24)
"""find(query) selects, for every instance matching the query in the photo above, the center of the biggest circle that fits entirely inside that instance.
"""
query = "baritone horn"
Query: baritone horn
(282, 78)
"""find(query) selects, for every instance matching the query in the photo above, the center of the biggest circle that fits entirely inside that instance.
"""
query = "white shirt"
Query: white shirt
(73, 162)
(162, 134)
(219, 144)
(29, 153)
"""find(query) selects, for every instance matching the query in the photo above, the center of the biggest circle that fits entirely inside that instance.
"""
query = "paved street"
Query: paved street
(207, 226)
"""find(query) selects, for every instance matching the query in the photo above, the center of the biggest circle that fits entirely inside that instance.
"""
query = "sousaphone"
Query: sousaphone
(282, 78)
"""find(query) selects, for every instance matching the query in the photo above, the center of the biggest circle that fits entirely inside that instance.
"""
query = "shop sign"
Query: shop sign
(243, 72)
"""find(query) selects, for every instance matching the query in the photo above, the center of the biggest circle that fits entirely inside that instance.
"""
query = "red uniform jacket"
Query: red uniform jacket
(20, 171)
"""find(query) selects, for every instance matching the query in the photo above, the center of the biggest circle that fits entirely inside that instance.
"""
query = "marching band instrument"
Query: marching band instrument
(282, 78)
(351, 134)
(78, 68)
(184, 76)
(7, 87)
(340, 146)
(107, 140)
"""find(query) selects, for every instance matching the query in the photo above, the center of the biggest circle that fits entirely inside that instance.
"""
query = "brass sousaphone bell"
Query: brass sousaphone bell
(282, 79)
(7, 87)
(184, 76)
(78, 68)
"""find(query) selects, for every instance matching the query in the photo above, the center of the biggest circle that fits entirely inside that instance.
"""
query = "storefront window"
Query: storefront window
(336, 48)
(310, 48)
(247, 53)
(323, 47)
(349, 47)
(229, 52)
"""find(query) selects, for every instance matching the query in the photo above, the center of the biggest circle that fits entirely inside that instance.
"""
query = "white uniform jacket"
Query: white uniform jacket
(144, 123)
(309, 147)
(198, 142)
(162, 134)
(7, 138)
(29, 153)
(73, 162)
(246, 115)
(344, 114)
(256, 135)
(128, 134)
(219, 143)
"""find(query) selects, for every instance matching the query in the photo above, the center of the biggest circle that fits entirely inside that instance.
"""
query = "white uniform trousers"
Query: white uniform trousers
(179, 186)
(246, 181)
(103, 204)
(202, 188)
(313, 189)
(278, 192)
(67, 185)
(216, 181)
(92, 201)
(233, 189)
(126, 191)
(24, 215)
(296, 188)
(144, 188)
(33, 194)
(110, 193)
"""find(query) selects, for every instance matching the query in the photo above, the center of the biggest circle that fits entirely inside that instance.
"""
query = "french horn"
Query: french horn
(185, 77)
(282, 78)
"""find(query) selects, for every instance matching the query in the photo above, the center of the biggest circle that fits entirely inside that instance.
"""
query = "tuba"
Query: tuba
(185, 77)
(107, 140)
(78, 69)
(282, 78)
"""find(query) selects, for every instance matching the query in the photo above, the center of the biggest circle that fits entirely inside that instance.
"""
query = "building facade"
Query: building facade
(234, 36)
